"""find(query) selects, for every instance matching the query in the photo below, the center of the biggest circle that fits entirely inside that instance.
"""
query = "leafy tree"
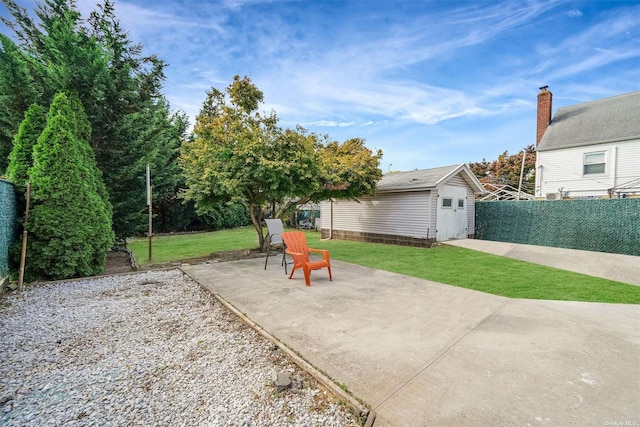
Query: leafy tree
(349, 170)
(480, 169)
(506, 169)
(226, 215)
(240, 155)
(70, 223)
(21, 157)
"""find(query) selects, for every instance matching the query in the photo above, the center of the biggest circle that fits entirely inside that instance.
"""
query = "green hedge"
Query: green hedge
(602, 225)
(8, 220)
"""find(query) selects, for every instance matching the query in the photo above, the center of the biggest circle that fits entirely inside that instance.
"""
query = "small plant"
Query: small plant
(343, 387)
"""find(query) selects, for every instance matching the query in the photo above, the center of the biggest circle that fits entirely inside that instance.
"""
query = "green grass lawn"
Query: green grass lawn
(445, 264)
(192, 245)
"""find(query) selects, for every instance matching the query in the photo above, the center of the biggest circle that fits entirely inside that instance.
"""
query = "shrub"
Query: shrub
(70, 222)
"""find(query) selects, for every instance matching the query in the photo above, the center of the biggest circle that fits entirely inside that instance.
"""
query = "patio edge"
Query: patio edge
(365, 415)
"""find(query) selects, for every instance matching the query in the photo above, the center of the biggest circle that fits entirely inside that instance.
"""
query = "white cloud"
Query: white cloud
(599, 45)
(330, 123)
(374, 72)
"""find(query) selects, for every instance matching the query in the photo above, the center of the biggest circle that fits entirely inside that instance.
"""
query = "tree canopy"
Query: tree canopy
(506, 169)
(17, 92)
(21, 157)
(117, 86)
(240, 154)
(349, 170)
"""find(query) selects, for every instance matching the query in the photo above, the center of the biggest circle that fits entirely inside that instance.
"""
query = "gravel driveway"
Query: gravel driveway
(145, 349)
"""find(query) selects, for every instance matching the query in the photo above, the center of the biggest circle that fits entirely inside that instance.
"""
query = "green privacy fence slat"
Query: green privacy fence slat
(7, 224)
(602, 225)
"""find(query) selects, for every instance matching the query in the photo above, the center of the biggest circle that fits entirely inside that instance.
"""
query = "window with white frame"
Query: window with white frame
(447, 202)
(594, 163)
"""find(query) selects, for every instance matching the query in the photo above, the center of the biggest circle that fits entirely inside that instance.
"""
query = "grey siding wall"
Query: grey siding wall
(400, 214)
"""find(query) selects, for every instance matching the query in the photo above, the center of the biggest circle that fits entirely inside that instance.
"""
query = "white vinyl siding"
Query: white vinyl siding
(471, 212)
(403, 213)
(459, 181)
(563, 169)
(400, 214)
(433, 217)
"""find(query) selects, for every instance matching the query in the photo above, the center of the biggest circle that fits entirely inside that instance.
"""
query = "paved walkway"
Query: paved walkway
(622, 268)
(420, 353)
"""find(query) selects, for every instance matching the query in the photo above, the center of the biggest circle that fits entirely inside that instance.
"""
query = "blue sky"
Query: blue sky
(431, 83)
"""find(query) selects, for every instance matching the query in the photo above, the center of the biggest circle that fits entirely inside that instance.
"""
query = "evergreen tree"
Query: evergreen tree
(83, 132)
(21, 157)
(167, 180)
(69, 225)
(17, 92)
(118, 87)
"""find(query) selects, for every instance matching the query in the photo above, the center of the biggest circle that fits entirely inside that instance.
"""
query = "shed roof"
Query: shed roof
(606, 120)
(426, 179)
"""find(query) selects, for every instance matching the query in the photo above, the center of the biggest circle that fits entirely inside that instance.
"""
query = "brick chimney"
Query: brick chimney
(544, 112)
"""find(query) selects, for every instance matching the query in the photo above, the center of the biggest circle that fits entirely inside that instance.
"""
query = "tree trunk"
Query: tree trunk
(256, 220)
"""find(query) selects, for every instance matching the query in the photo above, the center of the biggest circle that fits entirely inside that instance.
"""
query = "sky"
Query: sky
(430, 83)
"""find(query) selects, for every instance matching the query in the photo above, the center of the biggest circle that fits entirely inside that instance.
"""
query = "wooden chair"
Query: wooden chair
(296, 246)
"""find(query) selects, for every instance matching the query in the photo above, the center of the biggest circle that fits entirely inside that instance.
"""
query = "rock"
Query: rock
(281, 380)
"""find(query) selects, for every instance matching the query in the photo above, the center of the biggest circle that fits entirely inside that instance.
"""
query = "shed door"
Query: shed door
(451, 222)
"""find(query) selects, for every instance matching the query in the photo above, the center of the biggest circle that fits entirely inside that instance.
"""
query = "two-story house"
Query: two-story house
(589, 150)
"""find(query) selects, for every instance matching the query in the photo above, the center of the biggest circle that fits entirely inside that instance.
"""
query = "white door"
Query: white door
(451, 222)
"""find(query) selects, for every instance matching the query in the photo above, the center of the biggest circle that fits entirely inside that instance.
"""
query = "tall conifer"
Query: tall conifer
(21, 157)
(70, 224)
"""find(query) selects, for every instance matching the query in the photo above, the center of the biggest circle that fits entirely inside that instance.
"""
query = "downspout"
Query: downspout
(615, 170)
(331, 225)
(539, 181)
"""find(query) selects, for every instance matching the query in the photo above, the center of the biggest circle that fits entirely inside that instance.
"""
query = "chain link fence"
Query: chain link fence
(8, 217)
(602, 225)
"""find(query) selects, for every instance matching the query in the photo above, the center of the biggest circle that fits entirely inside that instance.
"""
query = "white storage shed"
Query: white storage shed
(412, 208)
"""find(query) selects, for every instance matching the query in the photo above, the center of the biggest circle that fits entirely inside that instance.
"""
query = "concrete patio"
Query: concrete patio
(421, 353)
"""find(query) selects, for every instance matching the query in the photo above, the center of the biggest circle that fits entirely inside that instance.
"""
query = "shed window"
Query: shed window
(594, 163)
(447, 202)
(460, 203)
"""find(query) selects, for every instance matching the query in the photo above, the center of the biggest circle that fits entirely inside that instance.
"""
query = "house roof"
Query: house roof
(427, 179)
(606, 120)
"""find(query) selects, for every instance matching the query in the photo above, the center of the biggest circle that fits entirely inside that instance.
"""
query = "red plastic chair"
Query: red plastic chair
(296, 244)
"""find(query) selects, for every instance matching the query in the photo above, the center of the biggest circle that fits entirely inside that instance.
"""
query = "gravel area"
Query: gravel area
(145, 349)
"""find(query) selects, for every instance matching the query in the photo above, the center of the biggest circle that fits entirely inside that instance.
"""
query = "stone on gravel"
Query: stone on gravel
(281, 380)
